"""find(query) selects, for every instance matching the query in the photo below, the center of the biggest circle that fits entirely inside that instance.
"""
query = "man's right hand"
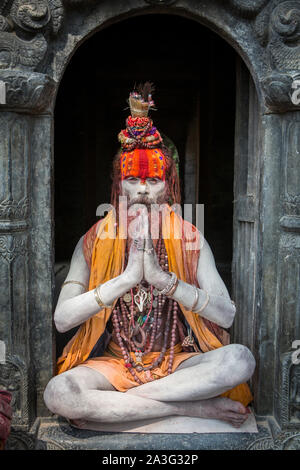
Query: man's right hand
(138, 230)
(134, 271)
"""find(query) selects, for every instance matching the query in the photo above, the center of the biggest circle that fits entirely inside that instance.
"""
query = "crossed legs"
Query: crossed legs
(192, 390)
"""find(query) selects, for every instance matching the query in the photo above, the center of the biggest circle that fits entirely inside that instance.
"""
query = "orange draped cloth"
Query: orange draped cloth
(112, 366)
(183, 245)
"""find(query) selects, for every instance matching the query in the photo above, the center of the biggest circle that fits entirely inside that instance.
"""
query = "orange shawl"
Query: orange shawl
(183, 244)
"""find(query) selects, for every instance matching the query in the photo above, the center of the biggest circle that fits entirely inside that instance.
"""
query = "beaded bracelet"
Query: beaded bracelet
(98, 299)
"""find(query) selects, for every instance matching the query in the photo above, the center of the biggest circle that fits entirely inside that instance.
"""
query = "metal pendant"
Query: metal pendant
(138, 330)
(140, 298)
(127, 297)
(189, 341)
(138, 358)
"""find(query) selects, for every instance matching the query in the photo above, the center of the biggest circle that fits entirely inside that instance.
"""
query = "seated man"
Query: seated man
(151, 341)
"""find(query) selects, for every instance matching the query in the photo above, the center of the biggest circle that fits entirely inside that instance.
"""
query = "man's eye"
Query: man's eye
(153, 180)
(132, 179)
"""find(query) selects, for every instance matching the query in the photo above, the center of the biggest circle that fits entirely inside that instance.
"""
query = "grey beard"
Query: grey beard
(148, 201)
(141, 200)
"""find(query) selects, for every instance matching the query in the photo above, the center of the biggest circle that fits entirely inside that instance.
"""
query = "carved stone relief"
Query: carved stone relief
(13, 378)
(278, 89)
(10, 248)
(277, 29)
(52, 445)
(31, 14)
(34, 19)
(291, 190)
(248, 9)
(288, 393)
(30, 91)
(295, 395)
(19, 440)
(284, 45)
(283, 441)
(15, 209)
(18, 53)
(14, 161)
(27, 26)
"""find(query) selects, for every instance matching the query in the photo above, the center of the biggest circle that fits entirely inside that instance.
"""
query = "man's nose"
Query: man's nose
(143, 188)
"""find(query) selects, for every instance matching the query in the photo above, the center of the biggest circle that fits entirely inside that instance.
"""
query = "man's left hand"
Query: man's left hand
(153, 273)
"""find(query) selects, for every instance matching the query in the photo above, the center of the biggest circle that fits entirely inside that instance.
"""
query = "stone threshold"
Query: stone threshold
(57, 434)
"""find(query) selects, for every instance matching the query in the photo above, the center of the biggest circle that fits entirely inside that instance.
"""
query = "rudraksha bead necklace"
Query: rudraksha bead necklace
(136, 330)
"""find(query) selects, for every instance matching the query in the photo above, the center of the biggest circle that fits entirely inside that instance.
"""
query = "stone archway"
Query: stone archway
(34, 51)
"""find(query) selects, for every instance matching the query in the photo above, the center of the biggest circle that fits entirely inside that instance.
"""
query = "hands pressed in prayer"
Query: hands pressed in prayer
(153, 272)
(142, 260)
(134, 271)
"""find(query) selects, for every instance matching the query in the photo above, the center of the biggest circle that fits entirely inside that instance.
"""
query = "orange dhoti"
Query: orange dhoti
(112, 366)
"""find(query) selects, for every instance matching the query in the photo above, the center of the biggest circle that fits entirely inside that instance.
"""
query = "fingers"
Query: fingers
(136, 252)
(139, 225)
(145, 223)
(138, 245)
(138, 228)
(149, 246)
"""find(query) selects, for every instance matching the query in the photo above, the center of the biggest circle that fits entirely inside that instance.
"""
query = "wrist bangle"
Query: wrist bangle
(205, 303)
(196, 298)
(173, 289)
(98, 298)
(74, 282)
(169, 286)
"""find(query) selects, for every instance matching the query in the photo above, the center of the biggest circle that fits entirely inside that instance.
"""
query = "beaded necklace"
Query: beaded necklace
(136, 330)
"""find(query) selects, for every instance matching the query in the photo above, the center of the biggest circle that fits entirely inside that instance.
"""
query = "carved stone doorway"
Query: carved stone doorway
(35, 49)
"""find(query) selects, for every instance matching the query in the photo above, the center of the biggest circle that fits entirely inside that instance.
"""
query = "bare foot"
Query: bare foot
(218, 408)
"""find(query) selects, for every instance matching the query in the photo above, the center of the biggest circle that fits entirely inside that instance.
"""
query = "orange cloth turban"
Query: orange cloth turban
(143, 163)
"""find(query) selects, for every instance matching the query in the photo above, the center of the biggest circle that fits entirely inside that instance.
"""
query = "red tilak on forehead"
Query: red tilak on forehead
(143, 163)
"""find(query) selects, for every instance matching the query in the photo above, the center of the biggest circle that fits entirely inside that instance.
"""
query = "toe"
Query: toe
(236, 418)
(236, 406)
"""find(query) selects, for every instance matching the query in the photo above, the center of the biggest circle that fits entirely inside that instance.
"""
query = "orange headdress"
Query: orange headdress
(141, 142)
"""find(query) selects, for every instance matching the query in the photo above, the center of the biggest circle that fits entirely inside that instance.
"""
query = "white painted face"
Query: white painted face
(148, 191)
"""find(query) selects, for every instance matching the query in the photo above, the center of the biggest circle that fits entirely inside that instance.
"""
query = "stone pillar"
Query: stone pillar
(287, 380)
(277, 312)
(26, 253)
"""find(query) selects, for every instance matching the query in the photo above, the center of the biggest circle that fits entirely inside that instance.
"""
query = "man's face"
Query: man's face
(148, 191)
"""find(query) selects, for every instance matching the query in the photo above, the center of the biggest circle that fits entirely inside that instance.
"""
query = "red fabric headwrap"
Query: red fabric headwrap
(143, 163)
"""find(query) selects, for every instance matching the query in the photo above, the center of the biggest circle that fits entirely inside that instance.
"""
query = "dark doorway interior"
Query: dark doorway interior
(188, 64)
